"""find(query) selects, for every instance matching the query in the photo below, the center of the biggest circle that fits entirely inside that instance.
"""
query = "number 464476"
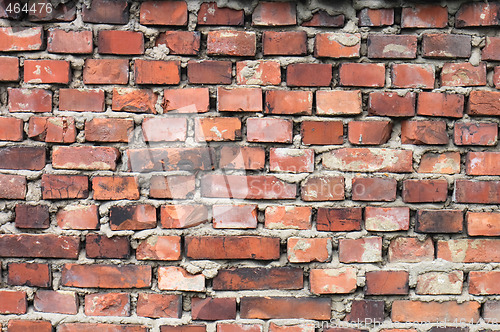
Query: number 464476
(34, 8)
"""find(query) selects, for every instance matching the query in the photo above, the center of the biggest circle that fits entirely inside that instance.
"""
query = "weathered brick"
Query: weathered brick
(235, 157)
(115, 187)
(47, 71)
(259, 278)
(423, 191)
(269, 130)
(85, 157)
(391, 104)
(163, 248)
(157, 72)
(105, 71)
(439, 221)
(323, 188)
(491, 49)
(180, 42)
(232, 247)
(60, 12)
(285, 307)
(412, 76)
(469, 250)
(387, 219)
(364, 250)
(239, 99)
(477, 14)
(417, 311)
(440, 163)
(284, 43)
(366, 310)
(173, 186)
(16, 39)
(78, 217)
(106, 11)
(392, 46)
(302, 250)
(424, 16)
(288, 102)
(29, 326)
(387, 283)
(52, 129)
(32, 216)
(288, 217)
(13, 302)
(73, 42)
(12, 186)
(333, 281)
(169, 159)
(79, 100)
(369, 160)
(209, 72)
(159, 305)
(132, 217)
(483, 223)
(22, 157)
(39, 245)
(89, 327)
(108, 130)
(374, 189)
(29, 274)
(193, 100)
(176, 278)
(291, 160)
(9, 68)
(106, 276)
(274, 14)
(211, 14)
(339, 219)
(309, 74)
(446, 46)
(29, 100)
(234, 216)
(338, 102)
(491, 310)
(463, 74)
(258, 72)
(440, 104)
(375, 17)
(173, 13)
(362, 74)
(322, 19)
(475, 133)
(101, 246)
(437, 283)
(59, 302)
(108, 304)
(480, 192)
(231, 43)
(484, 103)
(369, 132)
(482, 163)
(337, 45)
(411, 250)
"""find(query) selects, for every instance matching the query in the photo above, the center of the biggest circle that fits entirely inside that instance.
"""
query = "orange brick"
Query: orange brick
(302, 250)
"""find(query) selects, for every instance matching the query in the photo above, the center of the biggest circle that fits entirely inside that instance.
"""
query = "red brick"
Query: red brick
(239, 99)
(424, 132)
(364, 250)
(411, 250)
(79, 100)
(132, 217)
(417, 311)
(477, 14)
(309, 74)
(483, 223)
(186, 100)
(437, 283)
(284, 43)
(16, 39)
(163, 248)
(106, 11)
(12, 186)
(440, 104)
(164, 13)
(288, 102)
(463, 74)
(115, 187)
(484, 103)
(231, 43)
(59, 302)
(322, 19)
(57, 12)
(338, 102)
(362, 74)
(391, 104)
(480, 192)
(339, 219)
(183, 328)
(9, 68)
(446, 46)
(259, 278)
(64, 186)
(291, 160)
(258, 72)
(232, 247)
(183, 216)
(13, 302)
(180, 42)
(120, 42)
(109, 304)
(375, 17)
(333, 281)
(89, 327)
(213, 308)
(469, 250)
(233, 327)
(29, 326)
(211, 14)
(32, 216)
(386, 283)
(337, 45)
(369, 132)
(134, 100)
(491, 50)
(157, 72)
(11, 129)
(22, 157)
(101, 246)
(234, 216)
(369, 160)
(106, 276)
(209, 72)
(29, 274)
(105, 71)
(235, 157)
(323, 188)
(173, 186)
(475, 133)
(374, 189)
(318, 308)
(108, 130)
(159, 305)
(366, 310)
(496, 77)
(85, 157)
(424, 16)
(164, 159)
(288, 217)
(322, 132)
(47, 71)
(78, 217)
(440, 163)
(52, 129)
(73, 42)
(482, 163)
(176, 278)
(387, 219)
(392, 46)
(439, 221)
(423, 191)
(302, 250)
(274, 14)
(269, 130)
(484, 282)
(412, 76)
(29, 100)
(39, 245)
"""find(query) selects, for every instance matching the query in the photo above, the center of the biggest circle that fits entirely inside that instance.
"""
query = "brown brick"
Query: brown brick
(180, 42)
(159, 305)
(183, 216)
(164, 13)
(29, 274)
(446, 46)
(392, 46)
(475, 133)
(366, 310)
(22, 157)
(101, 246)
(258, 278)
(59, 302)
(39, 245)
(232, 247)
(285, 307)
(339, 219)
(132, 217)
(106, 276)
(284, 43)
(209, 72)
(386, 283)
(106, 11)
(64, 186)
(211, 14)
(439, 221)
(32, 216)
(274, 14)
(108, 304)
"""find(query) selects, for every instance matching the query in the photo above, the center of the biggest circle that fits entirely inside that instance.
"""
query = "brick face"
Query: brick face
(238, 166)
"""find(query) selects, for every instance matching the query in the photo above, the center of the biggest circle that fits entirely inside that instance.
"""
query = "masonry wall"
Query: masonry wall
(249, 166)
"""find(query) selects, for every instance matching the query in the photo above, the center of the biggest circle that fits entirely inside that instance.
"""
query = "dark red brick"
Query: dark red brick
(285, 307)
(64, 186)
(59, 302)
(284, 43)
(213, 308)
(391, 104)
(22, 157)
(132, 217)
(375, 17)
(274, 14)
(424, 16)
(211, 14)
(322, 19)
(209, 72)
(423, 191)
(32, 216)
(322, 132)
(392, 46)
(439, 221)
(232, 247)
(29, 274)
(366, 310)
(374, 189)
(253, 278)
(12, 186)
(170, 159)
(475, 133)
(477, 14)
(309, 74)
(106, 276)
(339, 219)
(101, 246)
(446, 46)
(39, 245)
(106, 11)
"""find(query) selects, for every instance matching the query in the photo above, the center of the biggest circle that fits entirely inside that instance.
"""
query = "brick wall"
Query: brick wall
(277, 167)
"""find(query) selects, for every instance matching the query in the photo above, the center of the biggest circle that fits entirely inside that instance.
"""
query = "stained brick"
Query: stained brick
(424, 16)
(15, 39)
(29, 100)
(164, 13)
(375, 17)
(211, 14)
(183, 216)
(181, 42)
(239, 99)
(106, 11)
(392, 46)
(274, 14)
(339, 219)
(79, 100)
(446, 46)
(231, 43)
(475, 133)
(463, 74)
(162, 248)
(337, 45)
(386, 283)
(254, 278)
(29, 274)
(106, 276)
